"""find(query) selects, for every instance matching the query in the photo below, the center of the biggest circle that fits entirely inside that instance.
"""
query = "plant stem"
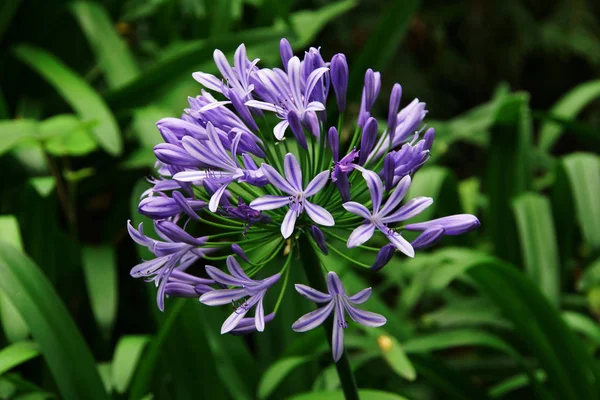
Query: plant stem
(316, 279)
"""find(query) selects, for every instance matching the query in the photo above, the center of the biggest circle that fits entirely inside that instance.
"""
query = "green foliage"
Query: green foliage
(509, 311)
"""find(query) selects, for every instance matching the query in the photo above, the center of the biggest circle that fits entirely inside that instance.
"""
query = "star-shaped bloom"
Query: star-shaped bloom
(287, 92)
(340, 303)
(223, 168)
(381, 216)
(292, 185)
(252, 291)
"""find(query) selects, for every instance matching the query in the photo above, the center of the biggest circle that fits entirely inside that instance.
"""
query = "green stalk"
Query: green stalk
(316, 279)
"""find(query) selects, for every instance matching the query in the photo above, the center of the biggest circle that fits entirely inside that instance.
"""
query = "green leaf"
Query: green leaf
(65, 351)
(14, 327)
(458, 338)
(13, 132)
(83, 98)
(383, 43)
(509, 173)
(538, 243)
(100, 272)
(590, 278)
(7, 12)
(220, 21)
(583, 172)
(365, 394)
(144, 125)
(541, 328)
(393, 353)
(584, 325)
(567, 107)
(126, 360)
(308, 24)
(159, 77)
(66, 135)
(44, 185)
(16, 354)
(275, 374)
(111, 51)
(513, 383)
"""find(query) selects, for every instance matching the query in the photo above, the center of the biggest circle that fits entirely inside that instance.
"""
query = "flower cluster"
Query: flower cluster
(254, 164)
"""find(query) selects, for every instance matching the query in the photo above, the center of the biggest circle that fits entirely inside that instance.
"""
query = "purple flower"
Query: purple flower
(162, 206)
(453, 224)
(182, 284)
(225, 167)
(292, 185)
(381, 216)
(340, 303)
(283, 93)
(179, 250)
(252, 292)
(384, 256)
(317, 234)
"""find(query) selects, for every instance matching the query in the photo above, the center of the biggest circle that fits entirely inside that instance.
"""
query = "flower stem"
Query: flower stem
(316, 279)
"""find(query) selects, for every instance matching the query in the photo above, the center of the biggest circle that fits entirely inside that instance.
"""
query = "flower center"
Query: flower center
(297, 203)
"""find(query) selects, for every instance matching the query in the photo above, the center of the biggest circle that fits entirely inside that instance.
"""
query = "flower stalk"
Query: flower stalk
(316, 279)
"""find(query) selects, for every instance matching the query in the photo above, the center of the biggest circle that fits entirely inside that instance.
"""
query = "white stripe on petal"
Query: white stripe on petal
(264, 106)
(312, 294)
(358, 209)
(279, 130)
(208, 81)
(269, 202)
(397, 240)
(313, 319)
(365, 318)
(318, 214)
(361, 296)
(277, 180)
(316, 184)
(292, 170)
(411, 209)
(288, 224)
(215, 199)
(222, 296)
(361, 235)
(397, 196)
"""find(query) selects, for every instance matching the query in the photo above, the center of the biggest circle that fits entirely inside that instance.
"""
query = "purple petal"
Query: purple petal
(361, 235)
(389, 166)
(294, 73)
(221, 277)
(277, 180)
(393, 109)
(208, 81)
(397, 240)
(429, 237)
(149, 267)
(361, 296)
(279, 129)
(293, 173)
(313, 79)
(222, 296)
(337, 338)
(288, 224)
(365, 318)
(453, 224)
(234, 268)
(375, 188)
(178, 289)
(177, 234)
(264, 106)
(190, 176)
(312, 294)
(369, 136)
(313, 319)
(297, 130)
(248, 325)
(397, 196)
(216, 198)
(269, 202)
(334, 284)
(224, 67)
(316, 184)
(411, 209)
(318, 214)
(182, 202)
(357, 209)
(234, 319)
(137, 234)
(259, 316)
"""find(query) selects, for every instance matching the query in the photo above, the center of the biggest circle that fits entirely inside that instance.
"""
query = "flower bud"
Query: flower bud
(393, 110)
(238, 251)
(319, 239)
(286, 52)
(369, 136)
(334, 143)
(383, 257)
(453, 224)
(339, 79)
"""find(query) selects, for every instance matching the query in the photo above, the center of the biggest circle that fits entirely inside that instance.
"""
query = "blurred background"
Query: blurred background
(510, 311)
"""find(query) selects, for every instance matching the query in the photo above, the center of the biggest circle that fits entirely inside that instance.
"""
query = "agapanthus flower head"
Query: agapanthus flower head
(228, 169)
